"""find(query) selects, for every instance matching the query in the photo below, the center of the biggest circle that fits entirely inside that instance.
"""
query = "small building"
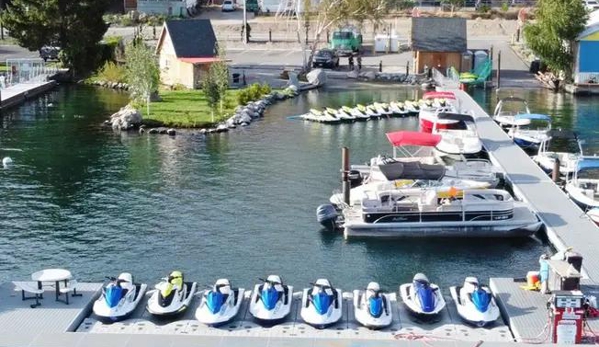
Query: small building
(185, 50)
(180, 8)
(438, 42)
(586, 50)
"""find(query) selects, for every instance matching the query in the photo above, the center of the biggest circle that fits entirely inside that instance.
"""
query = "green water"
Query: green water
(237, 205)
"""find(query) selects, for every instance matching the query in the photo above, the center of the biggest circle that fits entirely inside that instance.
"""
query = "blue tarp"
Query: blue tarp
(533, 116)
(588, 53)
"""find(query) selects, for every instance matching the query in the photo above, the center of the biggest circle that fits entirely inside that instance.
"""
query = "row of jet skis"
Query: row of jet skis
(374, 111)
(271, 301)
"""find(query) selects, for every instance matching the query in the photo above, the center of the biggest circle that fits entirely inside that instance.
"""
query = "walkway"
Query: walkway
(16, 94)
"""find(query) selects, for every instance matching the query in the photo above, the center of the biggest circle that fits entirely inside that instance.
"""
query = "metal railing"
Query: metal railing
(26, 71)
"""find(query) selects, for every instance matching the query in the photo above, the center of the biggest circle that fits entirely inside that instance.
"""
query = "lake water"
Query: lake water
(239, 205)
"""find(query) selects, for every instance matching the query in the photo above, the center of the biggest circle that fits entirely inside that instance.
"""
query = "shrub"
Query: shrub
(505, 6)
(178, 86)
(483, 8)
(126, 21)
(243, 97)
(254, 91)
(265, 88)
(112, 72)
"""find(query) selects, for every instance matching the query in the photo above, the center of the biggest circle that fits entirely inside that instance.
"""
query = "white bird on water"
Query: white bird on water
(6, 162)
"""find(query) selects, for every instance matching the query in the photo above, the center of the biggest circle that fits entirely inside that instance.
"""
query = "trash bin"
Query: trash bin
(236, 77)
(535, 66)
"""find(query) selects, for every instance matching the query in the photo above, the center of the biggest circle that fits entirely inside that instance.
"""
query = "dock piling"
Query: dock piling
(555, 172)
(498, 69)
(345, 186)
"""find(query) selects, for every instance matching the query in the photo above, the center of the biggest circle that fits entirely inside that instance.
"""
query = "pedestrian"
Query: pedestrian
(359, 62)
(351, 62)
(248, 30)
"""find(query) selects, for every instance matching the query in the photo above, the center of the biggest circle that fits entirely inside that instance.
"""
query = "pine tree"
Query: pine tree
(74, 25)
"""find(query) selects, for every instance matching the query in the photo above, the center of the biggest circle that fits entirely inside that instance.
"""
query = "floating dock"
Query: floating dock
(18, 93)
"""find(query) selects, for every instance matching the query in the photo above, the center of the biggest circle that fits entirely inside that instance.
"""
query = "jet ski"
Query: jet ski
(219, 304)
(172, 295)
(271, 300)
(372, 307)
(322, 305)
(119, 298)
(422, 298)
(356, 113)
(475, 303)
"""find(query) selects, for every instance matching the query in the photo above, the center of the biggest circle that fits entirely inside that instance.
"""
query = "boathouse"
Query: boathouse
(586, 64)
(438, 42)
(185, 50)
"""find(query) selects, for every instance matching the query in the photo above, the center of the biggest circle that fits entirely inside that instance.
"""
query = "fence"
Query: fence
(26, 71)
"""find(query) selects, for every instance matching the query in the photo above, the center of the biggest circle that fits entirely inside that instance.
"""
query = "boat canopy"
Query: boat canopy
(411, 170)
(562, 134)
(588, 164)
(439, 95)
(456, 116)
(413, 138)
(533, 116)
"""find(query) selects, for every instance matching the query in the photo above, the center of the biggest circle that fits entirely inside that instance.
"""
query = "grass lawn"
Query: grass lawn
(185, 109)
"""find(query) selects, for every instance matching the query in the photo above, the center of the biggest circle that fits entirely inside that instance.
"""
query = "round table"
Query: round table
(52, 275)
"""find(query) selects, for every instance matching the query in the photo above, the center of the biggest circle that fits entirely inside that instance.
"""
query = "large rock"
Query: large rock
(317, 77)
(126, 118)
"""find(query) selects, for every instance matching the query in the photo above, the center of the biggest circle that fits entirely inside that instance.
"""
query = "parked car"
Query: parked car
(326, 58)
(228, 6)
(49, 53)
(591, 5)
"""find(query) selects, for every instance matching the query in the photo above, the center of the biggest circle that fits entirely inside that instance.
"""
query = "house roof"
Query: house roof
(192, 38)
(205, 60)
(432, 34)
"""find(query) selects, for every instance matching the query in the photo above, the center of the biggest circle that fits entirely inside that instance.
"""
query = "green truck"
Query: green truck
(346, 41)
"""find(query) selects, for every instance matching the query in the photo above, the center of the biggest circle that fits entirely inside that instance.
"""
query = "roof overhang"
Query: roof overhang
(200, 60)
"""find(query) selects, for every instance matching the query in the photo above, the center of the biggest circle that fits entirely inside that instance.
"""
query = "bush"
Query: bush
(265, 89)
(252, 93)
(178, 86)
(483, 8)
(126, 21)
(112, 72)
(505, 6)
(243, 97)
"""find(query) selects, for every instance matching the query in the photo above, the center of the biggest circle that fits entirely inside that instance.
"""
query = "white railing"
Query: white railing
(26, 71)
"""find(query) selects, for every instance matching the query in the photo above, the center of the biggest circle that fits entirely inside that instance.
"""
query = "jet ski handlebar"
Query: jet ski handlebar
(322, 286)
(268, 281)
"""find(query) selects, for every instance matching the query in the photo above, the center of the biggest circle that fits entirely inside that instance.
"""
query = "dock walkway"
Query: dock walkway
(566, 224)
(16, 94)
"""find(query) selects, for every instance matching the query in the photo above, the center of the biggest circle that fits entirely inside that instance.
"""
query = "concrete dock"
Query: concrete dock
(16, 94)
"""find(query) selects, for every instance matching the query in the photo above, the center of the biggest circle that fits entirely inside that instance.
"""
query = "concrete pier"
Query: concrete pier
(18, 93)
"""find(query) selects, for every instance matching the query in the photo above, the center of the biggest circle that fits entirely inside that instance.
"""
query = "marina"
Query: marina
(525, 182)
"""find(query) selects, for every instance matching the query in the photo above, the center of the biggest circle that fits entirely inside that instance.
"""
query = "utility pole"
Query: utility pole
(245, 23)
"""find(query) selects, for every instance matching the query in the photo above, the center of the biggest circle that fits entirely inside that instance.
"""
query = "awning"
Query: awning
(456, 116)
(413, 138)
(411, 170)
(533, 116)
(439, 95)
(205, 60)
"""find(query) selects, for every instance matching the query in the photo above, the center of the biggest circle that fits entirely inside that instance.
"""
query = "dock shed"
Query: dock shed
(185, 50)
(438, 42)
(586, 64)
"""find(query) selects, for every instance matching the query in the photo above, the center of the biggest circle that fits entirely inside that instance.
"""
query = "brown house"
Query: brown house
(438, 42)
(185, 50)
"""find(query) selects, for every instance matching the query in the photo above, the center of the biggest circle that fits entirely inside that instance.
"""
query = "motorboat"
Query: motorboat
(367, 111)
(398, 108)
(220, 304)
(120, 297)
(320, 117)
(426, 213)
(322, 304)
(417, 146)
(372, 307)
(567, 160)
(359, 115)
(344, 117)
(582, 186)
(271, 300)
(423, 299)
(507, 109)
(382, 108)
(172, 295)
(413, 107)
(374, 112)
(459, 142)
(412, 176)
(475, 303)
(429, 118)
(524, 135)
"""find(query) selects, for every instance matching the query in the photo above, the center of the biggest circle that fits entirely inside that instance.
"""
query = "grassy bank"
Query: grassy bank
(185, 109)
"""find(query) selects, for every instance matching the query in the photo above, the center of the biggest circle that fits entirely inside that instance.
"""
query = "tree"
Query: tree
(143, 74)
(453, 4)
(219, 72)
(211, 91)
(74, 25)
(551, 37)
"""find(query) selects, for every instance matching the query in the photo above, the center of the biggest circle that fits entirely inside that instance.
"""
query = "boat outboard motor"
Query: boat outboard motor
(355, 178)
(327, 215)
(424, 292)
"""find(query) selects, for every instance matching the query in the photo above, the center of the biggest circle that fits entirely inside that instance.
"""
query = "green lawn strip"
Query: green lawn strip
(185, 109)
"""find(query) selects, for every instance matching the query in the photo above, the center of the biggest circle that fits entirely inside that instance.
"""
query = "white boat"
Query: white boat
(434, 103)
(172, 295)
(422, 298)
(359, 115)
(459, 142)
(372, 307)
(220, 304)
(527, 136)
(594, 214)
(567, 160)
(475, 303)
(373, 112)
(344, 117)
(582, 187)
(322, 304)
(413, 107)
(398, 108)
(467, 213)
(382, 108)
(507, 109)
(320, 117)
(119, 298)
(271, 300)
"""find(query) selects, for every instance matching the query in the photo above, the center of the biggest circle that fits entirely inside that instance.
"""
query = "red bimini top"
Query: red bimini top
(439, 95)
(413, 138)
